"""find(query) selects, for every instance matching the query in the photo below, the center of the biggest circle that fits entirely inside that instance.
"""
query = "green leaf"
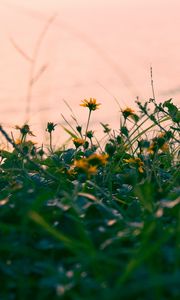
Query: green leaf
(69, 132)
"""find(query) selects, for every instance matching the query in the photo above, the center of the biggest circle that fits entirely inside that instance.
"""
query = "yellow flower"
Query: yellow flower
(71, 172)
(25, 143)
(89, 165)
(85, 167)
(165, 147)
(151, 149)
(154, 147)
(130, 160)
(92, 170)
(161, 135)
(78, 142)
(140, 169)
(129, 112)
(98, 159)
(137, 161)
(18, 141)
(91, 104)
(81, 164)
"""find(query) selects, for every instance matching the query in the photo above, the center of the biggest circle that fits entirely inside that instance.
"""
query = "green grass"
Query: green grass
(95, 220)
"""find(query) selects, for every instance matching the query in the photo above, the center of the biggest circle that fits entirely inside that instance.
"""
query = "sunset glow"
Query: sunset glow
(102, 49)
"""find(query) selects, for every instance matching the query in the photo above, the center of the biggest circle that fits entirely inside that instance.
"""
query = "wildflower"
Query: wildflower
(25, 129)
(90, 134)
(18, 141)
(92, 170)
(140, 169)
(129, 112)
(165, 147)
(81, 164)
(91, 104)
(137, 161)
(25, 143)
(98, 159)
(71, 172)
(161, 135)
(78, 142)
(84, 166)
(89, 165)
(41, 152)
(129, 161)
(151, 149)
(79, 129)
(159, 143)
(50, 127)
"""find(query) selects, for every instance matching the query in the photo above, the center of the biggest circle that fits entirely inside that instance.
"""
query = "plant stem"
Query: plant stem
(50, 141)
(87, 124)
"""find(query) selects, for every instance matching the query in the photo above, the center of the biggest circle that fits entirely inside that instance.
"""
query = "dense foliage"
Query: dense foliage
(92, 220)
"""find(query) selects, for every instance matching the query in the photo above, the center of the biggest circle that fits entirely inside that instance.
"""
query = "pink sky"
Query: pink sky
(97, 48)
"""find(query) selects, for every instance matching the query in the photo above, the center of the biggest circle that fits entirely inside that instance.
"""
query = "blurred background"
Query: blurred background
(67, 50)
